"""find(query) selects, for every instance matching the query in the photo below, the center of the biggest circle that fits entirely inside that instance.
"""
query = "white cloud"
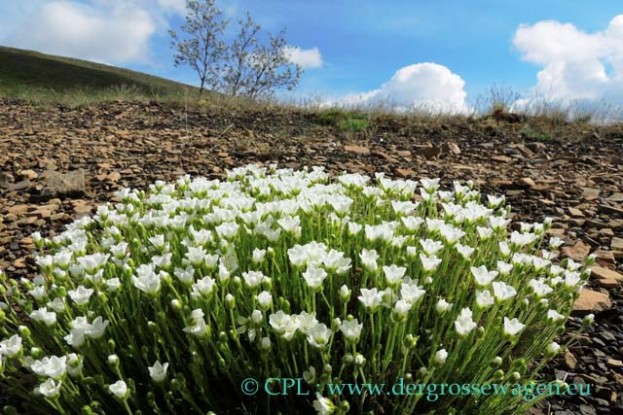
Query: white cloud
(576, 65)
(426, 86)
(177, 6)
(305, 58)
(111, 31)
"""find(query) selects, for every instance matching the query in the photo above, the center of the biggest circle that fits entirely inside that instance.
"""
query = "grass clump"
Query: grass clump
(534, 134)
(345, 121)
(166, 301)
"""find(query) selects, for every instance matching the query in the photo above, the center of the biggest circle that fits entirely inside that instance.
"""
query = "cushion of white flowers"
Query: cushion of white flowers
(167, 300)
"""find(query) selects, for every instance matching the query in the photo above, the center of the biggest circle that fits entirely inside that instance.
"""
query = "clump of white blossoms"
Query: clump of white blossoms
(166, 300)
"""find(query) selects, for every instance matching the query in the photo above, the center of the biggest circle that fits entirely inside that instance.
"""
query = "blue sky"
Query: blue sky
(364, 49)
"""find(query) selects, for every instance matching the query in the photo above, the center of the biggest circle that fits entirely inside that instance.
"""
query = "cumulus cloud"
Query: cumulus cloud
(427, 86)
(305, 58)
(576, 65)
(111, 31)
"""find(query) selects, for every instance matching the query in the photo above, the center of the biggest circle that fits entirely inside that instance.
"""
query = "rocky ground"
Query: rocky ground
(57, 163)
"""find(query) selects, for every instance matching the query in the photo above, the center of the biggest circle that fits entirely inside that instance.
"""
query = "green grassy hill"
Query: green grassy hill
(37, 76)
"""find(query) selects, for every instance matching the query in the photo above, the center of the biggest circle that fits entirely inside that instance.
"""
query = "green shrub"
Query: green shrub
(344, 120)
(167, 301)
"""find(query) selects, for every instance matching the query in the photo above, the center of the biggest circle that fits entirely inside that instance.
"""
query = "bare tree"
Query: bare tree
(204, 49)
(243, 67)
(254, 69)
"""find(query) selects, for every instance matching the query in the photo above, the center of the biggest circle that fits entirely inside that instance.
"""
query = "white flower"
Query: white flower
(465, 250)
(44, 316)
(451, 234)
(555, 242)
(482, 276)
(484, 233)
(412, 223)
(430, 185)
(354, 228)
(196, 255)
(265, 344)
(402, 308)
(323, 406)
(74, 364)
(148, 282)
(336, 261)
(305, 321)
(80, 295)
(394, 274)
(186, 276)
(119, 389)
(203, 287)
(411, 292)
(553, 348)
(258, 255)
(512, 327)
(495, 201)
(441, 356)
(464, 322)
(283, 323)
(540, 288)
(498, 222)
(253, 278)
(53, 367)
(522, 239)
(96, 328)
(290, 224)
(502, 291)
(484, 299)
(554, 315)
(265, 299)
(369, 258)
(504, 268)
(50, 388)
(113, 284)
(91, 263)
(227, 230)
(504, 248)
(198, 328)
(572, 278)
(38, 292)
(442, 306)
(351, 330)
(158, 371)
(430, 263)
(430, 246)
(371, 298)
(319, 335)
(314, 277)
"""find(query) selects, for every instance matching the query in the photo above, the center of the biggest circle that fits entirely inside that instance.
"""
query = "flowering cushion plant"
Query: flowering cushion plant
(165, 301)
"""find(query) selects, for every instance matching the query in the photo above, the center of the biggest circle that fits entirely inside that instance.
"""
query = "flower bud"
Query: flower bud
(496, 361)
(588, 320)
(36, 353)
(359, 360)
(176, 305)
(24, 332)
(421, 372)
(266, 344)
(348, 359)
(230, 301)
(498, 375)
(345, 293)
(113, 361)
(552, 349)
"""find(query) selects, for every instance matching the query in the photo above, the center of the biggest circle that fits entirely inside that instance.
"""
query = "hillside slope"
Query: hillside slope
(29, 74)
